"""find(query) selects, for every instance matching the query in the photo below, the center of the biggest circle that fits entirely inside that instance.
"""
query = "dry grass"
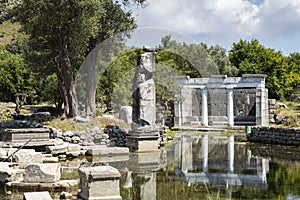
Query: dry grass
(293, 113)
(100, 121)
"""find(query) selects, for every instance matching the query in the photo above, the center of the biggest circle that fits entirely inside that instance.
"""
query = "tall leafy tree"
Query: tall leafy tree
(14, 76)
(62, 32)
(294, 69)
(218, 54)
(250, 57)
(195, 60)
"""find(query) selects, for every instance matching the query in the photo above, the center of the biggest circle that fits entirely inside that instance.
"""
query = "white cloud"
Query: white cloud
(224, 21)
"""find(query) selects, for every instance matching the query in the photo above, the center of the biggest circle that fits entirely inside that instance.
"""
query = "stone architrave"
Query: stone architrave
(42, 173)
(100, 182)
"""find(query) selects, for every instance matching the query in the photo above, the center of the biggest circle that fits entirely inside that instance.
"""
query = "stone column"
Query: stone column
(204, 149)
(230, 112)
(204, 108)
(231, 154)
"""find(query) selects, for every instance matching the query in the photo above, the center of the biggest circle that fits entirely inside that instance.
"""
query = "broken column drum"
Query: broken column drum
(144, 133)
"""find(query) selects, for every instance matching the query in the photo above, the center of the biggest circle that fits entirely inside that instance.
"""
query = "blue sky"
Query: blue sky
(275, 23)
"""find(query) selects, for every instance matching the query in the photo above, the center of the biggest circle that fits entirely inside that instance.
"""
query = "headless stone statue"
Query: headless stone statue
(143, 113)
(144, 135)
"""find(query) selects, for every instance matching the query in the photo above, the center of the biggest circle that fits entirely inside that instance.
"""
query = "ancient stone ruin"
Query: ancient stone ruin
(222, 101)
(144, 134)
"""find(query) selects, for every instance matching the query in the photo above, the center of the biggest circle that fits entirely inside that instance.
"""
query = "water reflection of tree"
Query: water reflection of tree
(283, 179)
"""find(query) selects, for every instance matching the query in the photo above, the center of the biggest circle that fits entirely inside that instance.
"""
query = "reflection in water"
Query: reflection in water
(205, 167)
(202, 167)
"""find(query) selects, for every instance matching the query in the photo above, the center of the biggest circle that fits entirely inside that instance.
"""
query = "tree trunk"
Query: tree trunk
(66, 80)
(91, 78)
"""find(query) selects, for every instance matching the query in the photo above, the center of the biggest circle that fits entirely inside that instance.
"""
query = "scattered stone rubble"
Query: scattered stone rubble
(116, 135)
(33, 170)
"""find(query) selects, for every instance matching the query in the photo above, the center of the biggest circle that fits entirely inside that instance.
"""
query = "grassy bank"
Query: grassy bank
(292, 114)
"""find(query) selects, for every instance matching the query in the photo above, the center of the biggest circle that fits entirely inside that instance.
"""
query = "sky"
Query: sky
(274, 23)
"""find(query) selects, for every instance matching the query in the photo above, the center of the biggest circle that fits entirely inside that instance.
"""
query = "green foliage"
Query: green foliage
(218, 54)
(195, 60)
(50, 92)
(253, 58)
(14, 76)
(62, 33)
(115, 85)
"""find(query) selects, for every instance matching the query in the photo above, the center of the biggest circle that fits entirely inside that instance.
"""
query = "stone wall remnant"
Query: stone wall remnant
(271, 135)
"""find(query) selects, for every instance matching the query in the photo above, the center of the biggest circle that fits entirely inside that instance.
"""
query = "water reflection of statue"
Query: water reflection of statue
(143, 113)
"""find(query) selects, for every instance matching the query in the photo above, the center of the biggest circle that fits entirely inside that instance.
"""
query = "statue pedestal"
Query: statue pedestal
(142, 141)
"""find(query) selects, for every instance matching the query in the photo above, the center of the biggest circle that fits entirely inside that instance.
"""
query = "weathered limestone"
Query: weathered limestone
(222, 101)
(144, 134)
(98, 183)
(9, 174)
(18, 137)
(126, 114)
(42, 173)
(37, 196)
(25, 159)
(65, 148)
(61, 185)
(48, 158)
(107, 151)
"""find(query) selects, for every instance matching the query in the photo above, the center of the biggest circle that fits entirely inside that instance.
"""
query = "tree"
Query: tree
(293, 61)
(218, 55)
(195, 60)
(62, 32)
(14, 76)
(253, 58)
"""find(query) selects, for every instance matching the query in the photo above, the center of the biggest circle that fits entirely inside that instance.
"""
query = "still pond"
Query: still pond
(204, 166)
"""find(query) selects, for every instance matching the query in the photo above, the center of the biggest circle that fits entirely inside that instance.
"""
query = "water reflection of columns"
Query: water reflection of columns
(186, 154)
(231, 154)
(204, 149)
(144, 186)
(262, 167)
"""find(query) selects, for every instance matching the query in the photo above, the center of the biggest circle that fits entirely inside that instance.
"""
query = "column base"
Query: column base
(138, 141)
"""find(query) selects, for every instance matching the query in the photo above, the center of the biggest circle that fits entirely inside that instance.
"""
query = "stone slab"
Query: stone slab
(25, 159)
(107, 151)
(30, 144)
(42, 173)
(8, 174)
(108, 159)
(37, 196)
(63, 149)
(62, 185)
